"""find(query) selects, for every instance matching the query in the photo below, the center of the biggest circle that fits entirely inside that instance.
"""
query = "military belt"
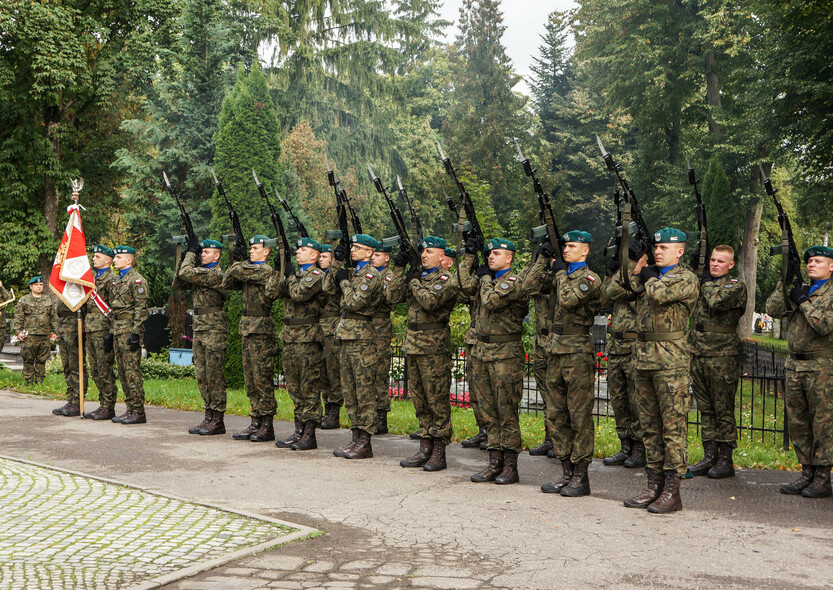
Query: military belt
(381, 315)
(300, 321)
(201, 310)
(497, 338)
(625, 335)
(346, 315)
(329, 314)
(659, 336)
(419, 326)
(570, 330)
(813, 355)
(65, 313)
(715, 329)
(252, 313)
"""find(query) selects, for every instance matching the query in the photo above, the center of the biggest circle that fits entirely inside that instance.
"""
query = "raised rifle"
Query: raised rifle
(612, 247)
(544, 209)
(342, 234)
(189, 237)
(465, 200)
(236, 237)
(700, 209)
(299, 227)
(396, 216)
(416, 226)
(284, 251)
(790, 259)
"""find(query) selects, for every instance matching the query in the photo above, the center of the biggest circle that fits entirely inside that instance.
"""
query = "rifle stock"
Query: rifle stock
(544, 206)
(284, 250)
(237, 231)
(343, 231)
(700, 209)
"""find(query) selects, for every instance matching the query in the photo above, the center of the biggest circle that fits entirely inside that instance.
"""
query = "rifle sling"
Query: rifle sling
(624, 245)
(659, 336)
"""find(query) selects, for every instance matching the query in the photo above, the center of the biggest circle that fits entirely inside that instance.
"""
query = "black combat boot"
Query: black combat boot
(216, 426)
(307, 440)
(707, 462)
(492, 470)
(566, 475)
(60, 411)
(414, 435)
(246, 433)
(68, 410)
(330, 420)
(420, 458)
(623, 454)
(474, 441)
(131, 417)
(206, 419)
(579, 484)
(652, 491)
(437, 460)
(381, 421)
(293, 438)
(363, 449)
(669, 500)
(804, 480)
(509, 474)
(637, 458)
(102, 413)
(544, 448)
(724, 467)
(349, 447)
(820, 487)
(266, 432)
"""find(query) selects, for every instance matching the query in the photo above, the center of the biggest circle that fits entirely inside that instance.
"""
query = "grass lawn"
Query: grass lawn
(182, 394)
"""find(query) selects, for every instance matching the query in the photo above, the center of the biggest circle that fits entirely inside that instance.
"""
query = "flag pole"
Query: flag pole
(76, 189)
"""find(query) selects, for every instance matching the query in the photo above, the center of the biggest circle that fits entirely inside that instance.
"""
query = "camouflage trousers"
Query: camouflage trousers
(35, 350)
(210, 365)
(303, 366)
(809, 408)
(381, 368)
(259, 373)
(429, 378)
(473, 403)
(498, 386)
(130, 373)
(357, 383)
(622, 395)
(663, 401)
(714, 380)
(570, 379)
(539, 370)
(68, 347)
(101, 364)
(331, 374)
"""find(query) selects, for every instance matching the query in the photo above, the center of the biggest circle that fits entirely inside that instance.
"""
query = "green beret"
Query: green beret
(365, 240)
(817, 251)
(259, 239)
(500, 244)
(577, 236)
(384, 248)
(432, 242)
(309, 243)
(326, 248)
(99, 249)
(451, 252)
(669, 235)
(124, 250)
(211, 244)
(37, 279)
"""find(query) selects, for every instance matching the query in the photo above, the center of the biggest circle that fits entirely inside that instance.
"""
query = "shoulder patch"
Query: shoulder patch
(316, 272)
(387, 279)
(672, 276)
(733, 280)
(591, 278)
(138, 281)
(308, 279)
(504, 285)
(728, 286)
(512, 278)
(584, 287)
(368, 276)
(438, 287)
(363, 286)
(443, 277)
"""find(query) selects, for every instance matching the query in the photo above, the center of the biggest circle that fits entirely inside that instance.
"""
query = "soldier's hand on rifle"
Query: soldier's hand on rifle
(613, 264)
(194, 245)
(546, 250)
(342, 275)
(793, 268)
(694, 258)
(402, 259)
(289, 269)
(484, 269)
(414, 274)
(108, 343)
(636, 249)
(648, 272)
(799, 294)
(558, 265)
(239, 254)
(473, 245)
(133, 342)
(340, 253)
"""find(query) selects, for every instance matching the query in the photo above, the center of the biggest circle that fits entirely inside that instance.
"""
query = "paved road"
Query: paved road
(387, 527)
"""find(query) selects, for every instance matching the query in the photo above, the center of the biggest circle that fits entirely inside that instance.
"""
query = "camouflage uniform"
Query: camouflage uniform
(431, 299)
(5, 295)
(128, 302)
(67, 332)
(331, 376)
(465, 273)
(257, 333)
(96, 329)
(384, 337)
(809, 393)
(714, 344)
(210, 329)
(35, 315)
(661, 361)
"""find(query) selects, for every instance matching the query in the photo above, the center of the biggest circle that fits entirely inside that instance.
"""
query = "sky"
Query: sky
(524, 21)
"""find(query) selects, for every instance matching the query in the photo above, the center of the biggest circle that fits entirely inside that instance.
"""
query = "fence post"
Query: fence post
(406, 394)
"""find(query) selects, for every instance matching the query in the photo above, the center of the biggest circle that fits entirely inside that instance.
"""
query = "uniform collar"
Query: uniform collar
(817, 285)
(500, 273)
(101, 271)
(574, 266)
(664, 269)
(304, 267)
(361, 264)
(212, 265)
(124, 271)
(256, 263)
(381, 268)
(425, 273)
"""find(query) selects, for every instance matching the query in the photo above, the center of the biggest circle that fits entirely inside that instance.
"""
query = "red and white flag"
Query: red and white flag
(72, 277)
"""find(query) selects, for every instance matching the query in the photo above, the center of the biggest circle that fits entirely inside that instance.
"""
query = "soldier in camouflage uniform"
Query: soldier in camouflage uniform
(498, 357)
(715, 345)
(449, 259)
(210, 330)
(331, 377)
(384, 339)
(129, 307)
(809, 379)
(303, 358)
(5, 298)
(66, 325)
(99, 340)
(431, 297)
(257, 335)
(666, 296)
(361, 294)
(571, 368)
(34, 322)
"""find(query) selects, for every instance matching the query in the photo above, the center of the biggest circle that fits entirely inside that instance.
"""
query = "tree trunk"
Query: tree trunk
(713, 94)
(748, 264)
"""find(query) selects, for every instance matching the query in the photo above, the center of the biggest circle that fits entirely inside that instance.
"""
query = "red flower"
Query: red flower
(604, 358)
(526, 357)
(599, 354)
(463, 354)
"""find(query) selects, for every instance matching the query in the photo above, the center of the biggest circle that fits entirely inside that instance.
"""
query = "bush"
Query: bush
(156, 366)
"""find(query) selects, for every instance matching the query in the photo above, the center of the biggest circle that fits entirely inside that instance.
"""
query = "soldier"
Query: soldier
(431, 297)
(361, 293)
(128, 302)
(34, 323)
(384, 339)
(449, 258)
(303, 359)
(809, 393)
(257, 335)
(715, 346)
(99, 340)
(331, 377)
(66, 325)
(666, 296)
(570, 364)
(210, 330)
(5, 298)
(498, 357)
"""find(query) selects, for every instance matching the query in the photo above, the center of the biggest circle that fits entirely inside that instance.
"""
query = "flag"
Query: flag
(72, 277)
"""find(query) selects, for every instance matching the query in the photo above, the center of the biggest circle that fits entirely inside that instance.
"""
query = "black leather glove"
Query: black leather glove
(558, 264)
(133, 342)
(694, 258)
(343, 274)
(612, 264)
(194, 246)
(414, 274)
(108, 343)
(289, 270)
(648, 272)
(484, 270)
(799, 295)
(340, 253)
(636, 249)
(545, 250)
(473, 245)
(402, 258)
(239, 254)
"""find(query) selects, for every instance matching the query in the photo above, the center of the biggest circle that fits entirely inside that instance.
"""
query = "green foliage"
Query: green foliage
(722, 214)
(156, 366)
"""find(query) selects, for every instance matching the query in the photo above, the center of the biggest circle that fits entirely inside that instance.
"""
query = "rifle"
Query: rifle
(415, 223)
(237, 236)
(474, 230)
(299, 227)
(700, 209)
(284, 251)
(544, 207)
(396, 216)
(632, 209)
(612, 247)
(790, 259)
(342, 234)
(189, 237)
